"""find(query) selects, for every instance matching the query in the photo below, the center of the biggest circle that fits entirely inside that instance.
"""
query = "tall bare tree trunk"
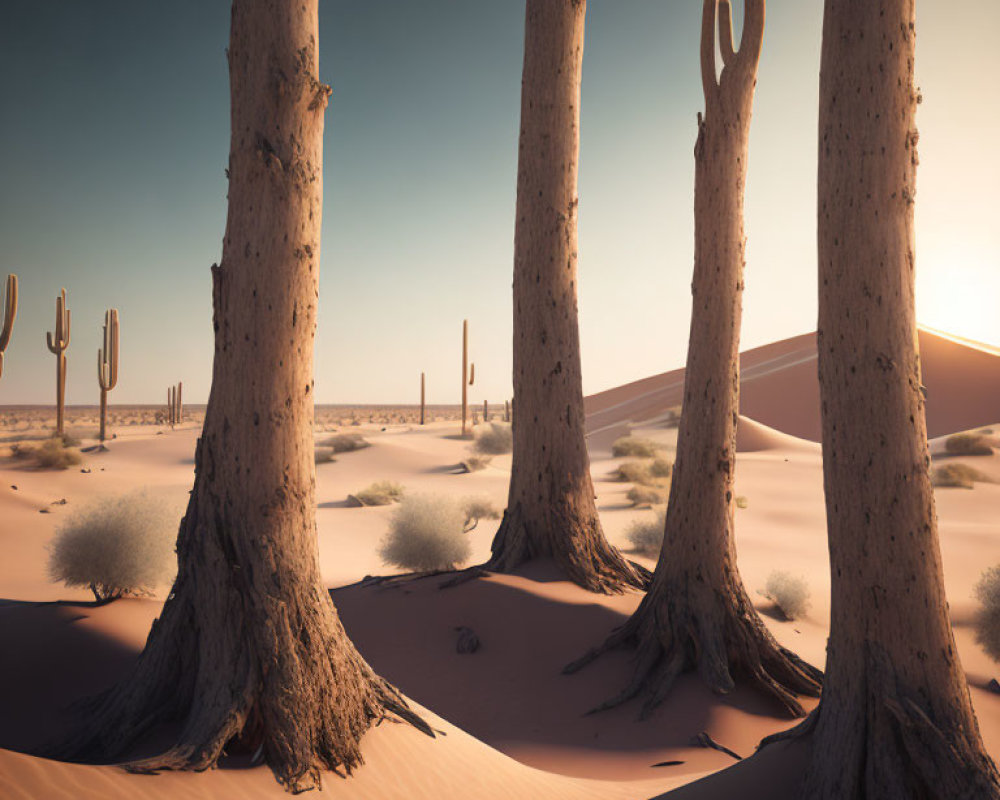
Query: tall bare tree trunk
(697, 614)
(249, 651)
(895, 719)
(551, 509)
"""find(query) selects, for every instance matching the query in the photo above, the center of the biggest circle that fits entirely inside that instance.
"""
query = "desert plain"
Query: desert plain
(509, 724)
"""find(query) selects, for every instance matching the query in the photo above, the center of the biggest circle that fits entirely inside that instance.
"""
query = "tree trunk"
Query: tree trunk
(895, 719)
(697, 614)
(551, 509)
(249, 651)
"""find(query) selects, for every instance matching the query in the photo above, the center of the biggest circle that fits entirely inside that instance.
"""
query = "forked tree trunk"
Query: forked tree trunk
(697, 614)
(551, 509)
(895, 719)
(249, 651)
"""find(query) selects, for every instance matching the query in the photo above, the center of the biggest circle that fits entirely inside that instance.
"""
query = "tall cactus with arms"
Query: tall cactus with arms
(107, 365)
(58, 343)
(9, 313)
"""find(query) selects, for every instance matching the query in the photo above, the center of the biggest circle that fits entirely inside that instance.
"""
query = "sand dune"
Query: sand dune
(515, 726)
(780, 389)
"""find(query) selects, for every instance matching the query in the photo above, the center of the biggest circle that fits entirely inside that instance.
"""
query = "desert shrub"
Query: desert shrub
(647, 495)
(475, 463)
(426, 533)
(661, 468)
(968, 444)
(987, 623)
(634, 446)
(116, 546)
(646, 534)
(477, 508)
(635, 472)
(54, 454)
(346, 442)
(381, 493)
(741, 501)
(496, 438)
(789, 592)
(958, 475)
(324, 455)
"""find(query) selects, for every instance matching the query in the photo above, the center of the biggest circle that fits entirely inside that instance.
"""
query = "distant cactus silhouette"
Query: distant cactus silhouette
(9, 314)
(107, 366)
(179, 403)
(58, 342)
(465, 374)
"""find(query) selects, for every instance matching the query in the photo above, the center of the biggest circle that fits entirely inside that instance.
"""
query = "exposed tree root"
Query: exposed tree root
(881, 741)
(577, 545)
(692, 627)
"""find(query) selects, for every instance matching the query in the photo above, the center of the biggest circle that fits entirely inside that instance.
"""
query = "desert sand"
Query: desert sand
(510, 724)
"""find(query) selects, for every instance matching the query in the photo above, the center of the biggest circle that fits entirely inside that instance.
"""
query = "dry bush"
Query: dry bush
(496, 438)
(55, 454)
(789, 592)
(324, 455)
(968, 444)
(741, 501)
(646, 534)
(635, 472)
(634, 446)
(647, 495)
(477, 508)
(987, 623)
(661, 468)
(426, 533)
(381, 493)
(346, 442)
(475, 463)
(961, 476)
(116, 546)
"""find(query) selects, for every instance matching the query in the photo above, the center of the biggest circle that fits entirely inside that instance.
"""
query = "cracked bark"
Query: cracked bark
(895, 719)
(249, 652)
(697, 614)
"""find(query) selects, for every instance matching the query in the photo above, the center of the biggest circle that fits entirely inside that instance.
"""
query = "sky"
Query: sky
(114, 135)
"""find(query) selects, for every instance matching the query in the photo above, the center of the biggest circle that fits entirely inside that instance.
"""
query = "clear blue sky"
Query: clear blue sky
(114, 136)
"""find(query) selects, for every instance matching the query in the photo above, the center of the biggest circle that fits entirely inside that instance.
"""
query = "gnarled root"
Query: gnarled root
(718, 634)
(880, 740)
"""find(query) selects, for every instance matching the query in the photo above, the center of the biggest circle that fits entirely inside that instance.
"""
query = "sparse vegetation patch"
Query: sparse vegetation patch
(636, 447)
(646, 534)
(647, 495)
(495, 438)
(477, 508)
(426, 533)
(381, 493)
(346, 442)
(789, 592)
(116, 546)
(961, 476)
(968, 444)
(987, 592)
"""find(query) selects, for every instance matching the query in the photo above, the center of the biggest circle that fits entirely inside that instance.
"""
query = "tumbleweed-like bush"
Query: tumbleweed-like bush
(54, 453)
(477, 508)
(381, 493)
(635, 472)
(647, 495)
(987, 623)
(496, 438)
(968, 444)
(789, 592)
(635, 446)
(661, 468)
(646, 534)
(961, 476)
(426, 533)
(475, 463)
(116, 546)
(346, 442)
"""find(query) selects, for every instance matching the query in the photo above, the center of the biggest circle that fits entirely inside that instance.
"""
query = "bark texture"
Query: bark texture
(895, 719)
(249, 652)
(697, 614)
(550, 509)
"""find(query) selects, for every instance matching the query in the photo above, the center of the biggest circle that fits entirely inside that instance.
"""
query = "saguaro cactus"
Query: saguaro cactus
(422, 397)
(58, 343)
(465, 373)
(170, 406)
(179, 403)
(107, 365)
(9, 314)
